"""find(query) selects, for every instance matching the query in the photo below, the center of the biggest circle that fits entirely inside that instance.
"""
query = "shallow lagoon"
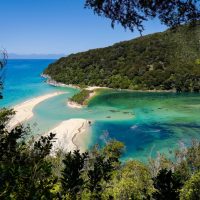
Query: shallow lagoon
(161, 122)
(145, 122)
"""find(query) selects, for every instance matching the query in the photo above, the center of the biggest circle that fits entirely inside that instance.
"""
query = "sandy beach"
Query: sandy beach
(95, 87)
(69, 133)
(73, 104)
(24, 111)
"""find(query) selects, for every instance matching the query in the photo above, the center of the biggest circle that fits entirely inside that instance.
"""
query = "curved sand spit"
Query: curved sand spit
(24, 111)
(68, 134)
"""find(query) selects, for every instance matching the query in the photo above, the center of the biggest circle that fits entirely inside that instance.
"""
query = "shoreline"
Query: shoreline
(52, 82)
(93, 93)
(69, 135)
(93, 89)
(73, 104)
(24, 110)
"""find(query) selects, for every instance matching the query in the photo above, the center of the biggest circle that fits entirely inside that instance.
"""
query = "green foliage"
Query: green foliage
(167, 185)
(98, 174)
(81, 97)
(71, 180)
(191, 189)
(198, 61)
(188, 161)
(5, 115)
(86, 175)
(113, 150)
(3, 62)
(24, 171)
(28, 171)
(131, 13)
(167, 60)
(132, 181)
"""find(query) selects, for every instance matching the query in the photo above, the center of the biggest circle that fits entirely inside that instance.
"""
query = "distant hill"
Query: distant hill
(167, 60)
(34, 56)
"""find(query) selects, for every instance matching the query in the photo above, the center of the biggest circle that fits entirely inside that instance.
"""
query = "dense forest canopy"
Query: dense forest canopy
(167, 60)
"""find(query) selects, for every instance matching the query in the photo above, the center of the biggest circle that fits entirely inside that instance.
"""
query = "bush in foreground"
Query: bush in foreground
(28, 171)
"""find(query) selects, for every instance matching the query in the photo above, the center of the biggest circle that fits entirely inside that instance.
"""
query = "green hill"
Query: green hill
(167, 60)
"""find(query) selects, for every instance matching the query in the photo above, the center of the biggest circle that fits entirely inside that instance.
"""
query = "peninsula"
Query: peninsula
(24, 111)
(162, 61)
(69, 135)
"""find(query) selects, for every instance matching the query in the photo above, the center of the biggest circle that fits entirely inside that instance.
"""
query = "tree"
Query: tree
(132, 13)
(113, 150)
(85, 175)
(132, 181)
(72, 180)
(99, 168)
(3, 61)
(99, 173)
(25, 172)
(191, 189)
(167, 185)
(188, 160)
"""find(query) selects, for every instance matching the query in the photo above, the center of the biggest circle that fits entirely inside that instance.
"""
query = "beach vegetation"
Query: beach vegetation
(81, 97)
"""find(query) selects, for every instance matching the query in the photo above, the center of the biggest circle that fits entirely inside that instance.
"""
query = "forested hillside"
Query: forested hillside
(167, 60)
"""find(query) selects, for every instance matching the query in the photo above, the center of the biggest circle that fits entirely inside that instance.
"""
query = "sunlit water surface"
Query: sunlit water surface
(146, 122)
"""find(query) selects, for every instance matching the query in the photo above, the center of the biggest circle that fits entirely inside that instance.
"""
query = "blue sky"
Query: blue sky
(58, 26)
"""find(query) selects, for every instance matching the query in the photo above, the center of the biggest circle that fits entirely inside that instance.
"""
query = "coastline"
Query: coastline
(52, 82)
(24, 110)
(93, 92)
(73, 104)
(70, 135)
(93, 89)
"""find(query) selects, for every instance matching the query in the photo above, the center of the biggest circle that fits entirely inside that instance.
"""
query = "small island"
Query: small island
(81, 99)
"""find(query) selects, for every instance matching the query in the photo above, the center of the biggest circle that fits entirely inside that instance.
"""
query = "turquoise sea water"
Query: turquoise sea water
(23, 81)
(162, 121)
(145, 122)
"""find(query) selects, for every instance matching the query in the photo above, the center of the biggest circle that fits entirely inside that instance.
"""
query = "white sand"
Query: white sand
(24, 111)
(68, 133)
(95, 87)
(73, 104)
